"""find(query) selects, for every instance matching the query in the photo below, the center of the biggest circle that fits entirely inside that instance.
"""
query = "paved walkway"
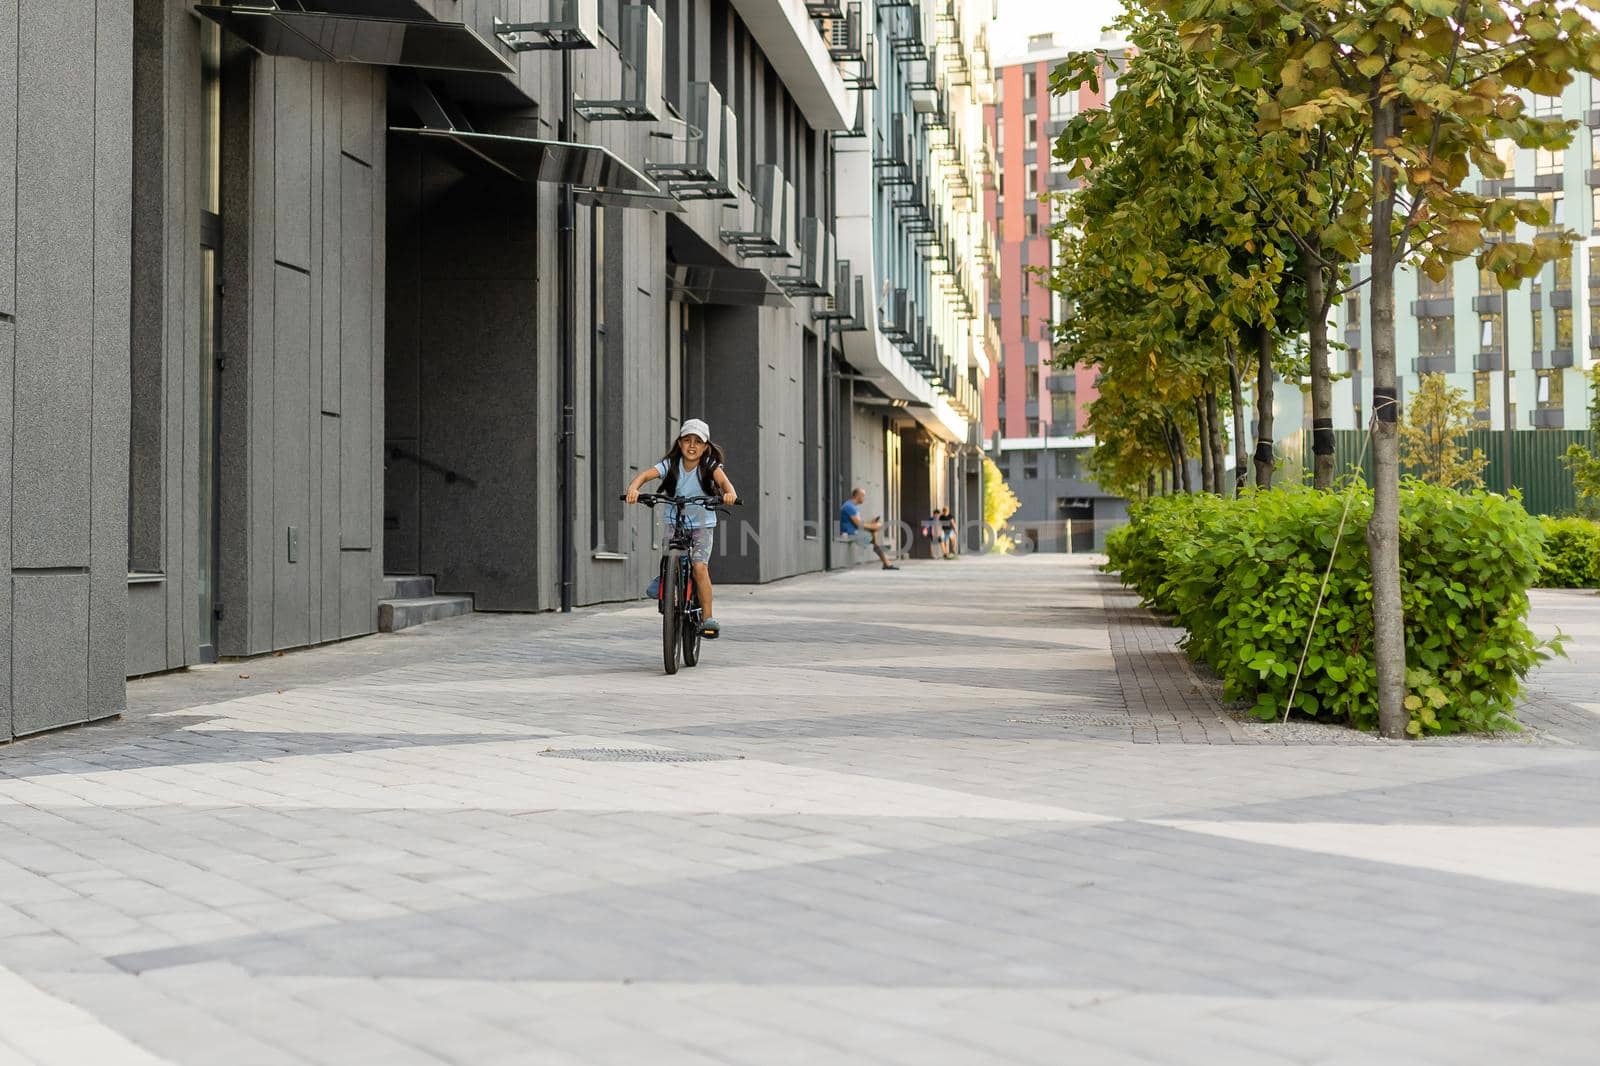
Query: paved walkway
(974, 812)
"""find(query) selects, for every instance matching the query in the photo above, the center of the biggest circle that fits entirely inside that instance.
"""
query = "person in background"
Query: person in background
(854, 528)
(947, 525)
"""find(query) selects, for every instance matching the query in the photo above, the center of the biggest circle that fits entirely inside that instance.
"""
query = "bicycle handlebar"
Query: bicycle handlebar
(650, 499)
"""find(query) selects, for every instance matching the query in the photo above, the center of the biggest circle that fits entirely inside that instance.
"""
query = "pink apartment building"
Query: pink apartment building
(1034, 415)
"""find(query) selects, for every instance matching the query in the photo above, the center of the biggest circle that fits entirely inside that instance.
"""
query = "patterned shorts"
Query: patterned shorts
(701, 539)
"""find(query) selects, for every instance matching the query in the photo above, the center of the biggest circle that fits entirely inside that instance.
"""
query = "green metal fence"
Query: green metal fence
(1536, 466)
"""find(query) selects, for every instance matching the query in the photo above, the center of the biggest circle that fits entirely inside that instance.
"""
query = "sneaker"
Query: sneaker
(890, 566)
(653, 590)
(710, 630)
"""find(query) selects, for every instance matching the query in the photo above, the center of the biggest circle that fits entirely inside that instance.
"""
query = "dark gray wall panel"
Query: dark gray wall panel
(109, 406)
(55, 285)
(357, 121)
(291, 161)
(478, 382)
(355, 354)
(328, 590)
(49, 684)
(147, 628)
(357, 599)
(8, 157)
(330, 275)
(291, 463)
(733, 408)
(7, 349)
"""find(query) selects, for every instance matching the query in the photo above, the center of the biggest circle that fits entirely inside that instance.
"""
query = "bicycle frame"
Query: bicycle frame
(677, 598)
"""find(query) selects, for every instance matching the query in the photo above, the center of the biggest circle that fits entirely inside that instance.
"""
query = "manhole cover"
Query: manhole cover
(634, 755)
(1069, 721)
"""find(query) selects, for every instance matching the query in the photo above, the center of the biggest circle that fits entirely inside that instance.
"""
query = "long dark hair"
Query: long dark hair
(713, 453)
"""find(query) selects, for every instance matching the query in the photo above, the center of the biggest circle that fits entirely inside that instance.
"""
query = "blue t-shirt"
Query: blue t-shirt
(695, 516)
(849, 511)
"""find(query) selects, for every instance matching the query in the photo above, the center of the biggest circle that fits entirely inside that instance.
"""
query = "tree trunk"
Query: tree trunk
(1203, 434)
(1241, 455)
(1149, 486)
(1321, 385)
(1383, 531)
(1183, 459)
(1264, 412)
(1219, 472)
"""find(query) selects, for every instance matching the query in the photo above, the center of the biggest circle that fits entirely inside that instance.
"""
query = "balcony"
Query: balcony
(1548, 418)
(1434, 307)
(1561, 358)
(1489, 304)
(1488, 361)
(1435, 364)
(794, 47)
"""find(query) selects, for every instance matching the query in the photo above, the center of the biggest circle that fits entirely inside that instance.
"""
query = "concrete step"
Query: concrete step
(403, 613)
(406, 587)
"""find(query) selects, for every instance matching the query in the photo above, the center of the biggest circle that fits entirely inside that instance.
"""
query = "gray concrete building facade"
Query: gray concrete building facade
(304, 294)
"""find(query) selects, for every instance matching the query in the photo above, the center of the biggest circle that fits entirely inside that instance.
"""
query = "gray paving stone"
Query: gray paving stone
(992, 816)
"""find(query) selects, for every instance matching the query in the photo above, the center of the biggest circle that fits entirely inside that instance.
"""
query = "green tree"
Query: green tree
(1174, 285)
(1432, 84)
(1585, 462)
(999, 502)
(1431, 437)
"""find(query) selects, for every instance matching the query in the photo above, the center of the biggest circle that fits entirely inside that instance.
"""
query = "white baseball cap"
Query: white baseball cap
(695, 427)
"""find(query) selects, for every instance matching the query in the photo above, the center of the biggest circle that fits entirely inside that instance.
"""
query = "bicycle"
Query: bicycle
(676, 597)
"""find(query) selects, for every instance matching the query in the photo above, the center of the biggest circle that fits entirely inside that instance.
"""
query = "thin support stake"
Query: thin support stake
(1327, 574)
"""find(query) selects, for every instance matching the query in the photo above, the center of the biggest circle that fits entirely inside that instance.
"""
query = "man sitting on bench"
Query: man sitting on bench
(858, 531)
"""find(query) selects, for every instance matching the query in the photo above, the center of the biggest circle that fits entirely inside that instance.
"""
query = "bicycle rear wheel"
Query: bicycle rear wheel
(670, 595)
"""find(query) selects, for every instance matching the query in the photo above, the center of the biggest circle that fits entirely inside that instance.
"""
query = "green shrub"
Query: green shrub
(1242, 576)
(1158, 526)
(1571, 558)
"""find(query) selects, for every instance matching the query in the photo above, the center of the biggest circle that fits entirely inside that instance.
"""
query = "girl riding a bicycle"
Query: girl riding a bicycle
(694, 455)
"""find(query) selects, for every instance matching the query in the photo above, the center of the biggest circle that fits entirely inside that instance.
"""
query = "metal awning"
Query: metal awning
(528, 159)
(741, 286)
(348, 35)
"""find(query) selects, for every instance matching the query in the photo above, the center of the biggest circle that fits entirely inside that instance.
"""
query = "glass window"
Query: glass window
(1033, 427)
(1353, 309)
(1546, 106)
(1491, 332)
(1030, 467)
(1033, 386)
(1482, 392)
(1548, 160)
(1594, 214)
(1564, 328)
(1554, 203)
(1436, 337)
(1488, 284)
(1066, 465)
(1030, 82)
(1031, 179)
(1030, 223)
(1551, 394)
(1065, 105)
(1428, 289)
(1536, 316)
(1506, 151)
(1563, 272)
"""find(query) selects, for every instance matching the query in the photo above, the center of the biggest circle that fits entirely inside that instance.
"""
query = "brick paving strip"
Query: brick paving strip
(1172, 699)
(975, 812)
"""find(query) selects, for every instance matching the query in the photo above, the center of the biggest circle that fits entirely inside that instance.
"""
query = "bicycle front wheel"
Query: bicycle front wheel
(690, 634)
(670, 595)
